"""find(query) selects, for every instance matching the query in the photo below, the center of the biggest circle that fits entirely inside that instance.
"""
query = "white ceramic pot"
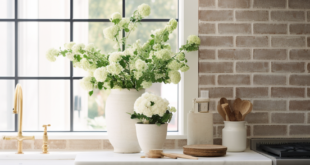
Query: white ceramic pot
(151, 136)
(121, 129)
(234, 136)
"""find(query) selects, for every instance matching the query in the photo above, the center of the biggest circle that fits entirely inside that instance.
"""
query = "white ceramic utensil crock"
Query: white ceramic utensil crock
(234, 136)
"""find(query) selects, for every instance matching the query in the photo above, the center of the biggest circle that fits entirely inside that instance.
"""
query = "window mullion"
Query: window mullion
(71, 68)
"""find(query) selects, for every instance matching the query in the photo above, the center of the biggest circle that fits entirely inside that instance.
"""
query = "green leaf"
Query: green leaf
(111, 84)
(100, 85)
(152, 42)
(152, 103)
(126, 30)
(77, 57)
(152, 35)
(90, 93)
(122, 63)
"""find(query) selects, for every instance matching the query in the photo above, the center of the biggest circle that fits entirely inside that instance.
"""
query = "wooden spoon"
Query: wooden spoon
(223, 100)
(221, 111)
(230, 115)
(236, 109)
(246, 108)
(160, 154)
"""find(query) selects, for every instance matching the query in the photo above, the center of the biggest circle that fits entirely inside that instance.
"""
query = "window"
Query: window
(52, 95)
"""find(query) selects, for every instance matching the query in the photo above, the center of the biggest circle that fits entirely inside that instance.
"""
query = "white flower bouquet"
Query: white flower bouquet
(136, 67)
(152, 109)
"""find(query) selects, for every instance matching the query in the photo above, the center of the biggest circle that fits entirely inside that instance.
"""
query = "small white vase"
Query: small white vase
(151, 136)
(121, 129)
(234, 136)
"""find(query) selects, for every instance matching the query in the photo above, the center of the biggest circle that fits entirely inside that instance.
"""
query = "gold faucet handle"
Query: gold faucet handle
(45, 127)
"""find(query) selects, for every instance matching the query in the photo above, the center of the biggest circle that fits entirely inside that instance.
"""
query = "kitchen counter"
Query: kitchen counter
(10, 155)
(109, 158)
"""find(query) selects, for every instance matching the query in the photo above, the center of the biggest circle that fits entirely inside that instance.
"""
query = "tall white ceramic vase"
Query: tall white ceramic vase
(234, 136)
(121, 129)
(151, 136)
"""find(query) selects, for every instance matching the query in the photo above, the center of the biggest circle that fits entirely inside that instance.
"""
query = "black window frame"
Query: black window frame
(71, 20)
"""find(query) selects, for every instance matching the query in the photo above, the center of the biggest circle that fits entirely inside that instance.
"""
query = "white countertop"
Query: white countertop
(10, 155)
(109, 158)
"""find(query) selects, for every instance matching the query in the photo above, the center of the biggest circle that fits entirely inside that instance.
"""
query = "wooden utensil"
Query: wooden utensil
(205, 150)
(237, 104)
(229, 113)
(160, 154)
(223, 100)
(221, 111)
(246, 108)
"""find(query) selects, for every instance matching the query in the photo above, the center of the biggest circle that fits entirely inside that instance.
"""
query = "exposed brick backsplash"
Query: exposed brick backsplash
(258, 50)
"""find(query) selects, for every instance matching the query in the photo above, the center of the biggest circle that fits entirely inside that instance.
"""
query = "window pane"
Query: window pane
(46, 102)
(92, 32)
(169, 92)
(144, 30)
(159, 8)
(7, 48)
(34, 40)
(44, 9)
(92, 9)
(89, 111)
(6, 105)
(7, 9)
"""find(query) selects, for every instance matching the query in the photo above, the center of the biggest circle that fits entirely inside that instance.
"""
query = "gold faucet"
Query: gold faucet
(18, 100)
(45, 140)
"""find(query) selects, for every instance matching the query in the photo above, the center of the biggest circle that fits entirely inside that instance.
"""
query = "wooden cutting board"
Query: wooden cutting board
(205, 150)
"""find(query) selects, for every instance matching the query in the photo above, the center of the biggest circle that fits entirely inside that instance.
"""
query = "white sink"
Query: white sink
(10, 155)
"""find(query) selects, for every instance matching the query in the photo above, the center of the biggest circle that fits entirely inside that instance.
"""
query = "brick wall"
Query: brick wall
(258, 50)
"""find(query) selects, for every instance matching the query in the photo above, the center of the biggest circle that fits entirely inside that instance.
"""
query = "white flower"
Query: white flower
(144, 10)
(150, 104)
(193, 39)
(69, 45)
(174, 65)
(129, 51)
(124, 22)
(110, 32)
(116, 16)
(173, 109)
(158, 32)
(180, 56)
(163, 54)
(90, 47)
(158, 76)
(115, 56)
(85, 64)
(114, 68)
(132, 26)
(52, 54)
(184, 68)
(146, 84)
(175, 76)
(167, 46)
(107, 85)
(172, 25)
(156, 46)
(101, 74)
(86, 83)
(70, 56)
(140, 65)
(77, 47)
(138, 75)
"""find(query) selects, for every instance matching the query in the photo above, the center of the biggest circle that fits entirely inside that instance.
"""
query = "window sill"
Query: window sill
(79, 135)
